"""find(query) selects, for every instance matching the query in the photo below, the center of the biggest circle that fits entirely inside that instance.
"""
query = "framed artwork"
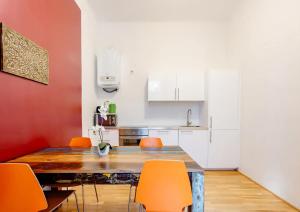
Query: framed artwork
(22, 57)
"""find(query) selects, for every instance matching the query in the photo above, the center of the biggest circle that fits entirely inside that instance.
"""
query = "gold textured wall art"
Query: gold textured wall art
(22, 57)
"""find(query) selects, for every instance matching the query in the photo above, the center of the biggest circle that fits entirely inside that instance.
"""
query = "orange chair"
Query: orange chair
(73, 181)
(81, 142)
(151, 143)
(148, 142)
(164, 185)
(21, 191)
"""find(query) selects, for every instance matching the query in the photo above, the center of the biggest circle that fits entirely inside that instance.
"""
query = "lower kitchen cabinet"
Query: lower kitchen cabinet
(111, 136)
(195, 143)
(224, 149)
(168, 137)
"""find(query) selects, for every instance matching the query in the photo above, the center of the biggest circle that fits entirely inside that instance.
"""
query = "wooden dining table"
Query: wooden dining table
(125, 160)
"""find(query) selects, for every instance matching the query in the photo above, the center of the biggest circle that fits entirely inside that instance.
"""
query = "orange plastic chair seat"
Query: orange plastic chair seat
(164, 185)
(80, 142)
(151, 143)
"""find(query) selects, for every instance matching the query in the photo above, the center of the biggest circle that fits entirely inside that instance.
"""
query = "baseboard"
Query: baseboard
(217, 169)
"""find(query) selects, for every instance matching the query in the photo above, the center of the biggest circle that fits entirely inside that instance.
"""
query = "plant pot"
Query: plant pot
(103, 152)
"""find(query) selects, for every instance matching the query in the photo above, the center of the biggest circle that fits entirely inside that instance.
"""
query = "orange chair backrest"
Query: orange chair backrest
(82, 142)
(20, 189)
(164, 185)
(151, 142)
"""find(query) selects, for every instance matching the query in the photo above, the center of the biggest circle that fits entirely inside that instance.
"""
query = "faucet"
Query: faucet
(188, 117)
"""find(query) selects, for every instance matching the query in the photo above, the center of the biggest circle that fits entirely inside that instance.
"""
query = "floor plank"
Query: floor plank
(231, 191)
(224, 191)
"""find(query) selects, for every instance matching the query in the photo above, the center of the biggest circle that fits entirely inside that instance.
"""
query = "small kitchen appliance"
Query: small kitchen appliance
(131, 136)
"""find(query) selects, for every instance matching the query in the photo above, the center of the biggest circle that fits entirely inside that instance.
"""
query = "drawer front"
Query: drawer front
(168, 137)
(111, 136)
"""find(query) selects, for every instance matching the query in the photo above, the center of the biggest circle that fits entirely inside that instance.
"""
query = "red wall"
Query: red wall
(33, 115)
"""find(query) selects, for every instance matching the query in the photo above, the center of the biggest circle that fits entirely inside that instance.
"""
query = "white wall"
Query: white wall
(266, 47)
(264, 44)
(166, 47)
(88, 54)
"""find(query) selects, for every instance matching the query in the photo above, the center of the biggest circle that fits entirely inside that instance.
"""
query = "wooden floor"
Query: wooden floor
(231, 191)
(224, 191)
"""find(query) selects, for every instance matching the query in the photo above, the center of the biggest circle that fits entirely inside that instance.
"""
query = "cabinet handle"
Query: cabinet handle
(163, 131)
(175, 93)
(210, 136)
(211, 120)
(187, 131)
(178, 94)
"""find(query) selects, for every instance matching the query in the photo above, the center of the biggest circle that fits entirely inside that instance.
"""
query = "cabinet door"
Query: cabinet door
(111, 136)
(195, 143)
(162, 87)
(191, 86)
(168, 137)
(94, 136)
(224, 149)
(223, 99)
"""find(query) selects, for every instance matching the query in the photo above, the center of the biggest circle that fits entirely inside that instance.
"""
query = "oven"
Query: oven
(131, 136)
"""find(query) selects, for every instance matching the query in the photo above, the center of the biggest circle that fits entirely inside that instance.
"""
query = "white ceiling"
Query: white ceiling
(162, 10)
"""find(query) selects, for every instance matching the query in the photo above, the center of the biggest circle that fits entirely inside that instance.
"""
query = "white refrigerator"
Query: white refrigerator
(224, 119)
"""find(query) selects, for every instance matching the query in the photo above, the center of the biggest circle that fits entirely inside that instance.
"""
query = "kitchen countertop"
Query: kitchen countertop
(177, 128)
(160, 127)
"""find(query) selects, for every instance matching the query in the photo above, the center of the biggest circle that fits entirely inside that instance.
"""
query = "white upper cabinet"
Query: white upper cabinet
(191, 86)
(185, 86)
(162, 87)
(223, 99)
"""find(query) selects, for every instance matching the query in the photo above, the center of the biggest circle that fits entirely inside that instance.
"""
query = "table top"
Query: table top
(129, 159)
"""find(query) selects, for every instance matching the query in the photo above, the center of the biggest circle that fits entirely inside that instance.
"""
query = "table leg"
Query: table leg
(197, 182)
